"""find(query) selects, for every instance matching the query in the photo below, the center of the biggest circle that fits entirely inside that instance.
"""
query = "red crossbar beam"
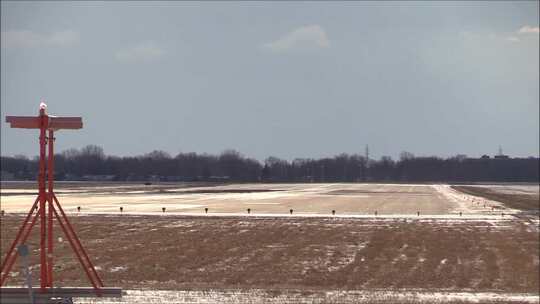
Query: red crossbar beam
(55, 123)
(24, 122)
(58, 123)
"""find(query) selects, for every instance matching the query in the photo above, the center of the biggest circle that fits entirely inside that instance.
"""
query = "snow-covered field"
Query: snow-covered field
(337, 296)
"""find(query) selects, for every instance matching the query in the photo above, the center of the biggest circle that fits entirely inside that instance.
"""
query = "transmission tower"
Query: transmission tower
(367, 154)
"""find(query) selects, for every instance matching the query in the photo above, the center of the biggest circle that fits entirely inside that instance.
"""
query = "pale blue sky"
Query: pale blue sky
(301, 79)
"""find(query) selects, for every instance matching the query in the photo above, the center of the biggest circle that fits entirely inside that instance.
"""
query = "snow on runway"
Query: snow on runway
(346, 199)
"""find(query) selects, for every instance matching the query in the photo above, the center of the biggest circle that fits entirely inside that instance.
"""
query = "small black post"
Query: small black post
(333, 212)
(249, 210)
(502, 214)
(291, 211)
(121, 209)
(78, 208)
(375, 212)
(205, 210)
(163, 209)
(460, 213)
(418, 213)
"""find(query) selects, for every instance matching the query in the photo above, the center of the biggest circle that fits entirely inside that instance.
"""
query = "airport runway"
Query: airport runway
(352, 199)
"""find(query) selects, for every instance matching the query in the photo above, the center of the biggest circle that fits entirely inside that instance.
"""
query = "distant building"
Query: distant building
(95, 178)
(173, 178)
(461, 157)
(71, 177)
(154, 178)
(485, 156)
(219, 178)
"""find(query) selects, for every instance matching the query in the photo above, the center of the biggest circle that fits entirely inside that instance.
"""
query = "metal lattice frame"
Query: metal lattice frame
(46, 207)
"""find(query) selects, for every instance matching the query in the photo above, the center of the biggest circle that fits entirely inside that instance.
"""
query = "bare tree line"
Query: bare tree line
(91, 162)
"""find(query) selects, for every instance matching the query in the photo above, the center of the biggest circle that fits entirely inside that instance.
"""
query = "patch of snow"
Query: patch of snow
(118, 268)
(314, 296)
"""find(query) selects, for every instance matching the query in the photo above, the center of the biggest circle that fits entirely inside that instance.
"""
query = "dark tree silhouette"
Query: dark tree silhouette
(90, 162)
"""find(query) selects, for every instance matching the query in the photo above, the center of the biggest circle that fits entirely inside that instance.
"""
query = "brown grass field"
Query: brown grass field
(172, 252)
(521, 201)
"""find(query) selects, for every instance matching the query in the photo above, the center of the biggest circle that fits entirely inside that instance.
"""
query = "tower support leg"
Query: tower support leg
(50, 242)
(21, 238)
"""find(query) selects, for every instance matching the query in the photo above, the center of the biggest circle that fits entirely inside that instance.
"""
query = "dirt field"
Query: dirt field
(345, 199)
(526, 198)
(201, 253)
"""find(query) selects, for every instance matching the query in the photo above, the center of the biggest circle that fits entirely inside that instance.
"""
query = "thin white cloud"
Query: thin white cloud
(529, 30)
(31, 39)
(64, 38)
(512, 39)
(311, 36)
(144, 52)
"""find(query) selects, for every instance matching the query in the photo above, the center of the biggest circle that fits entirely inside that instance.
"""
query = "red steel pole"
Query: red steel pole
(42, 198)
(50, 174)
(46, 200)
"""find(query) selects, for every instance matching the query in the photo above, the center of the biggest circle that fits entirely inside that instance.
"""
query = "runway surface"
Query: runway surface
(352, 199)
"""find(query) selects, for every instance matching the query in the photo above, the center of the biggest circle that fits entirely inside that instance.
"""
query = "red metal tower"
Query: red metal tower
(46, 206)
